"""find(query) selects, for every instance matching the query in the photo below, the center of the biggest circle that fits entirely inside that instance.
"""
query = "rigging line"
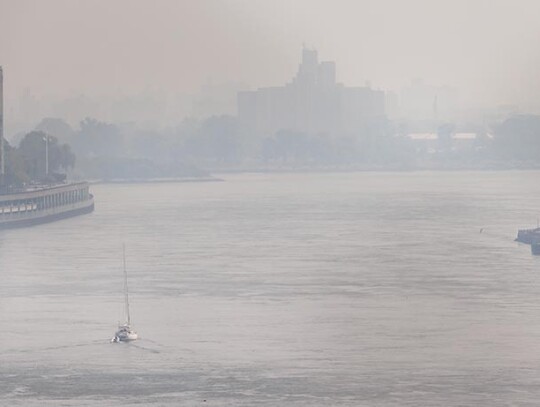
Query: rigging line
(126, 295)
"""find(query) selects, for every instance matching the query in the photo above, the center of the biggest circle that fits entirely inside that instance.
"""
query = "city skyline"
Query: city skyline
(486, 49)
(313, 102)
(318, 203)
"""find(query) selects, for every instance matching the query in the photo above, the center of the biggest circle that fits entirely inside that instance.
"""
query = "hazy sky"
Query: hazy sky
(488, 48)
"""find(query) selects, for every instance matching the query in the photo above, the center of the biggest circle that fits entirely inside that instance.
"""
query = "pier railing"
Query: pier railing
(33, 202)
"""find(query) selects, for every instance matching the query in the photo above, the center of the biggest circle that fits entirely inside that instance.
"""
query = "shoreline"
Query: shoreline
(303, 170)
(155, 180)
(292, 170)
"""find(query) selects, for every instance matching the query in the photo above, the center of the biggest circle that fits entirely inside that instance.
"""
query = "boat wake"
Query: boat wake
(138, 346)
(97, 342)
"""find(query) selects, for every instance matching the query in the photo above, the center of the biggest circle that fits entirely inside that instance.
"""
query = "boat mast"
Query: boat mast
(126, 297)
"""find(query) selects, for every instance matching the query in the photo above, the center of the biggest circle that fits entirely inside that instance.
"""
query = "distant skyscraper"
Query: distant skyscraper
(312, 103)
(2, 165)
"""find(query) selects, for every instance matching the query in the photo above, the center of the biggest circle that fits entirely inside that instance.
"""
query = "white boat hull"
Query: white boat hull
(125, 334)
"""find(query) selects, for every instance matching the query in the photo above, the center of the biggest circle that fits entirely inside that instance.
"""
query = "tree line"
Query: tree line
(100, 150)
(39, 158)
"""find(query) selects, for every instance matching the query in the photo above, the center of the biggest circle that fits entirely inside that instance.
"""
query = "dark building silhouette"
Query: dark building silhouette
(2, 165)
(311, 103)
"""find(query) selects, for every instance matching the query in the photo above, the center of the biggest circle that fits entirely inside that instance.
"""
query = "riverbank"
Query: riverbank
(156, 180)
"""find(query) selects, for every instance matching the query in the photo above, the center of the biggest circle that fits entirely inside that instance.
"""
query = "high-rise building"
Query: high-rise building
(311, 103)
(2, 165)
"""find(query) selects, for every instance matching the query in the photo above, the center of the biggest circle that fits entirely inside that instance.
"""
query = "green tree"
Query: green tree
(97, 138)
(15, 171)
(216, 140)
(57, 127)
(32, 152)
(518, 138)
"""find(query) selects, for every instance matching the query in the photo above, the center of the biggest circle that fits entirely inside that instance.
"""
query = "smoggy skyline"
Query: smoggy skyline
(56, 49)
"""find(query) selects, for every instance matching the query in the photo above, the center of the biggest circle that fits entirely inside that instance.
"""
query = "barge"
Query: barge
(44, 204)
(528, 236)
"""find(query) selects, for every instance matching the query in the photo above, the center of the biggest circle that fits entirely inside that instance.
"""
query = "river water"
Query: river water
(342, 289)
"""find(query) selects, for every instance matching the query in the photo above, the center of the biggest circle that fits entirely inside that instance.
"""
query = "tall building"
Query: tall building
(311, 103)
(2, 165)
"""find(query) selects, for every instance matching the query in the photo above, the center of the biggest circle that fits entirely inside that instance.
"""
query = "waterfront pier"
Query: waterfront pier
(45, 204)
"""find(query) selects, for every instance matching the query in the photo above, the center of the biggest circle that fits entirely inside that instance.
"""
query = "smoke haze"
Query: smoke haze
(58, 49)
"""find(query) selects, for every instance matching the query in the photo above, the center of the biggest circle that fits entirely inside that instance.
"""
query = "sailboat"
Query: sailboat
(124, 332)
